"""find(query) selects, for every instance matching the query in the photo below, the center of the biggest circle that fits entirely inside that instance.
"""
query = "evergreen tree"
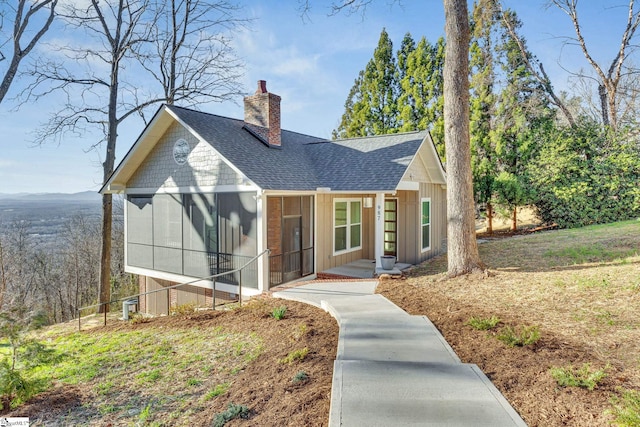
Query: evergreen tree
(420, 103)
(371, 107)
(407, 46)
(521, 108)
(483, 105)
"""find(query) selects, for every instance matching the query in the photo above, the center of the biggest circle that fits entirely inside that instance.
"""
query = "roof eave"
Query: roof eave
(160, 122)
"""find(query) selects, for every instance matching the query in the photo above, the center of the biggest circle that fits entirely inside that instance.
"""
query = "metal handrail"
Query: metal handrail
(213, 288)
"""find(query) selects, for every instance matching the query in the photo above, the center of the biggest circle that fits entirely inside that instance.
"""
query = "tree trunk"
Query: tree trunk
(514, 219)
(107, 200)
(463, 256)
(489, 218)
(105, 254)
(604, 107)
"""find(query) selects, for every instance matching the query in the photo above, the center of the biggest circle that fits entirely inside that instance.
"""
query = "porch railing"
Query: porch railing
(250, 265)
(290, 266)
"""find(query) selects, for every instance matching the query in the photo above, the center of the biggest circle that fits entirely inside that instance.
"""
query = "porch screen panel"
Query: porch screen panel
(140, 231)
(237, 222)
(199, 234)
(167, 232)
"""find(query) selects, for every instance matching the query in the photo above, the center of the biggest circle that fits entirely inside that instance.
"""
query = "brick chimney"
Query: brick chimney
(262, 114)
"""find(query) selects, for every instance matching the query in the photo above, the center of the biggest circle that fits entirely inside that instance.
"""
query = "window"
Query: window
(347, 225)
(425, 224)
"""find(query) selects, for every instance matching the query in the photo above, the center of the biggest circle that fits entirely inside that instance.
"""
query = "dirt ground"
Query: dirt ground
(265, 385)
(520, 373)
(585, 314)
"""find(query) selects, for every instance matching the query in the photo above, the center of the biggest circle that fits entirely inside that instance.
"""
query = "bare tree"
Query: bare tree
(107, 87)
(462, 247)
(534, 66)
(95, 93)
(192, 58)
(609, 80)
(22, 13)
(3, 274)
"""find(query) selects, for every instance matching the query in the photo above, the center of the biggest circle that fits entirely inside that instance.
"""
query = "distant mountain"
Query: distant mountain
(85, 196)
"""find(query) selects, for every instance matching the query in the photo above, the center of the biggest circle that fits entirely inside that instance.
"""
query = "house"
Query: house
(205, 194)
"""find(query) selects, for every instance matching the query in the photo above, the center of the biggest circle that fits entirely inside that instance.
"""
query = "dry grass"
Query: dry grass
(581, 287)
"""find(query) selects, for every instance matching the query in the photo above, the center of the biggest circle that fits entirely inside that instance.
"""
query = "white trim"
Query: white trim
(397, 200)
(194, 190)
(420, 225)
(359, 192)
(408, 185)
(347, 226)
(261, 243)
(290, 193)
(178, 278)
(379, 230)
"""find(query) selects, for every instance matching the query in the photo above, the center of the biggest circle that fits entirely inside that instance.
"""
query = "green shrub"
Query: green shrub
(279, 312)
(626, 409)
(483, 324)
(14, 388)
(584, 377)
(136, 318)
(519, 336)
(299, 377)
(584, 175)
(182, 309)
(295, 355)
(232, 412)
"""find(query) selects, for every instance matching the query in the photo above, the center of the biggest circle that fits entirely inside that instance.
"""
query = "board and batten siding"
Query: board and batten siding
(438, 195)
(324, 241)
(409, 246)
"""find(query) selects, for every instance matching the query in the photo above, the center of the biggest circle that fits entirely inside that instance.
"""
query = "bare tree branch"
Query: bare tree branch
(192, 59)
(21, 27)
(180, 44)
(534, 66)
(609, 82)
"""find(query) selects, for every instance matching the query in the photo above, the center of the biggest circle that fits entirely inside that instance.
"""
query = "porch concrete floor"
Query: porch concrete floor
(364, 269)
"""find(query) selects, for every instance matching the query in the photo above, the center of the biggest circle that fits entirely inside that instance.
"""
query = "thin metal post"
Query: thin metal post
(240, 287)
(213, 295)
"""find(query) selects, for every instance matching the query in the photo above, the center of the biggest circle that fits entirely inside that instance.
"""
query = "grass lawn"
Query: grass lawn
(190, 369)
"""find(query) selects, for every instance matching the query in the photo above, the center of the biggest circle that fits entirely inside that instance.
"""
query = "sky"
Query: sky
(311, 63)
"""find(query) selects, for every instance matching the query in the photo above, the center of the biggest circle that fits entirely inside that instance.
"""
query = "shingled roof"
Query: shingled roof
(304, 162)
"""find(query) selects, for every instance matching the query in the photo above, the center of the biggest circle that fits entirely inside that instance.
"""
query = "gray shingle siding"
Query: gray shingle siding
(204, 167)
(306, 162)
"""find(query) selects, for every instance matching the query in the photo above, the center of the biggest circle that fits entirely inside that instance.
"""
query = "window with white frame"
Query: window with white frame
(425, 223)
(347, 225)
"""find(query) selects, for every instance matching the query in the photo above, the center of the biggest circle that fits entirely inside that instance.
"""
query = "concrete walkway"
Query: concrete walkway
(394, 369)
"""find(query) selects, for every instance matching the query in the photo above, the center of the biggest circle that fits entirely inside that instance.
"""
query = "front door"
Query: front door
(292, 248)
(390, 227)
